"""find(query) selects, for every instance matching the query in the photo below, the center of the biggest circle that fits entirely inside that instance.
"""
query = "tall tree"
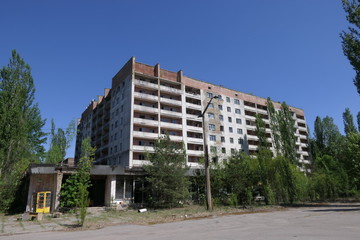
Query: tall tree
(328, 139)
(168, 184)
(74, 193)
(60, 141)
(351, 38)
(349, 125)
(358, 121)
(260, 132)
(283, 129)
(21, 137)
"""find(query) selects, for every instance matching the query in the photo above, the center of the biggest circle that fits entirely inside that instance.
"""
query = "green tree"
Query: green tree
(74, 193)
(349, 126)
(60, 141)
(260, 132)
(241, 177)
(351, 38)
(21, 137)
(283, 129)
(328, 139)
(358, 121)
(168, 184)
(351, 155)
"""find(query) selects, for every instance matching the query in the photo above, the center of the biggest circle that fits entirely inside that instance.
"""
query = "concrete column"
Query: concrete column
(56, 194)
(30, 193)
(110, 189)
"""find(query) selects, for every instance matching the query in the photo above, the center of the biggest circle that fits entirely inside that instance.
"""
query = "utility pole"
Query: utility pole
(209, 204)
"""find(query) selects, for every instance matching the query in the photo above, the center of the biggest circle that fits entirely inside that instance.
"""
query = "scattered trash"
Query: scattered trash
(142, 210)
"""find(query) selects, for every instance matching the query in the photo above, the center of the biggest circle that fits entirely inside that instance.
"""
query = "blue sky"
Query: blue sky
(286, 49)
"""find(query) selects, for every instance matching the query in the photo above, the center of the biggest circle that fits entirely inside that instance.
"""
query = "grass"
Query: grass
(113, 217)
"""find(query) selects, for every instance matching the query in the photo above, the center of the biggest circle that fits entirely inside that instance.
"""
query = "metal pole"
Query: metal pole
(209, 204)
(207, 171)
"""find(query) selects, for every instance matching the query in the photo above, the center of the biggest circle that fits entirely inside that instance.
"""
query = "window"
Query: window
(229, 119)
(221, 128)
(212, 127)
(229, 109)
(219, 96)
(237, 111)
(212, 138)
(230, 129)
(117, 112)
(221, 117)
(238, 121)
(237, 101)
(213, 149)
(241, 141)
(231, 140)
(227, 99)
(115, 136)
(211, 116)
(239, 131)
(141, 157)
(223, 150)
(209, 95)
(211, 105)
(232, 150)
(115, 149)
(220, 107)
(222, 139)
(116, 124)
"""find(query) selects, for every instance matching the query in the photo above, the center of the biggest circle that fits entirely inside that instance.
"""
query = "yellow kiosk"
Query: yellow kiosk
(42, 202)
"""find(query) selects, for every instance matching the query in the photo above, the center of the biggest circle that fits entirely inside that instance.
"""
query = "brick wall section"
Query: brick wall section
(168, 75)
(144, 69)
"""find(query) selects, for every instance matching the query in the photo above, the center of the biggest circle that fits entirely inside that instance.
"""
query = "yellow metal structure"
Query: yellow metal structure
(42, 202)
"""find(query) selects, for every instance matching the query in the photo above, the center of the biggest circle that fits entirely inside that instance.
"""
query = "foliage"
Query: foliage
(351, 39)
(349, 126)
(351, 156)
(283, 128)
(74, 193)
(60, 141)
(358, 121)
(329, 179)
(168, 185)
(21, 137)
(260, 132)
(328, 139)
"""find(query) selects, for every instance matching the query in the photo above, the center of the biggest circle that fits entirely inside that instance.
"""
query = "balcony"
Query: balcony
(253, 109)
(170, 101)
(194, 129)
(195, 140)
(145, 135)
(170, 90)
(193, 106)
(143, 148)
(195, 153)
(145, 84)
(146, 122)
(171, 125)
(193, 95)
(176, 138)
(253, 147)
(145, 109)
(146, 96)
(171, 113)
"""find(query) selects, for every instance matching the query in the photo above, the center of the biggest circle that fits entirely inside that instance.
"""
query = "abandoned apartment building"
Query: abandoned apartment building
(145, 102)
